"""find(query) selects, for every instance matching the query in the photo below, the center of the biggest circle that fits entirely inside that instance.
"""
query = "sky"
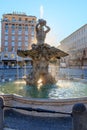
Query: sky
(63, 16)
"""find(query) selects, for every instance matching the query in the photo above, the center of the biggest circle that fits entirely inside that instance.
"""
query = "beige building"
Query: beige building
(17, 32)
(76, 46)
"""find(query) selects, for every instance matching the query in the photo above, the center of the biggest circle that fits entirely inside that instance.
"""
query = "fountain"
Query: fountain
(42, 89)
(41, 54)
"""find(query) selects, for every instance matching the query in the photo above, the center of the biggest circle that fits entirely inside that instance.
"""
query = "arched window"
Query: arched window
(13, 19)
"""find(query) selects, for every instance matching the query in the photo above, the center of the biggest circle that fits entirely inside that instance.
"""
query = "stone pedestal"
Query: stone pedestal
(40, 74)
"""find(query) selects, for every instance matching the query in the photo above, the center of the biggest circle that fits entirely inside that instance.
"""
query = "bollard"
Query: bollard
(79, 117)
(1, 114)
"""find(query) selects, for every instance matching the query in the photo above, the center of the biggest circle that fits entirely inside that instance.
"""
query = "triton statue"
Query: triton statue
(40, 31)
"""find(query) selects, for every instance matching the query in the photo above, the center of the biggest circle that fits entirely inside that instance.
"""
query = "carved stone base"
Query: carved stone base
(42, 79)
(40, 74)
(41, 56)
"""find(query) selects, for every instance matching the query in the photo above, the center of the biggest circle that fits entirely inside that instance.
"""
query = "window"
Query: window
(19, 43)
(20, 27)
(26, 27)
(26, 38)
(19, 48)
(33, 21)
(26, 43)
(5, 48)
(29, 21)
(6, 37)
(19, 38)
(13, 48)
(6, 31)
(32, 30)
(5, 19)
(6, 43)
(26, 32)
(26, 19)
(13, 38)
(19, 31)
(13, 19)
(19, 19)
(6, 26)
(13, 43)
(13, 26)
(32, 38)
(13, 31)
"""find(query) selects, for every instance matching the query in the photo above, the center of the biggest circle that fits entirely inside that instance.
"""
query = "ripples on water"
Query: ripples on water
(63, 89)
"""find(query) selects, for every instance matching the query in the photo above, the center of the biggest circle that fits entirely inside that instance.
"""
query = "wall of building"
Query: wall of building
(76, 46)
(17, 32)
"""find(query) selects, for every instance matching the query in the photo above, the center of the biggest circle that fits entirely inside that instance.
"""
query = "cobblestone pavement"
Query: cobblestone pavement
(17, 121)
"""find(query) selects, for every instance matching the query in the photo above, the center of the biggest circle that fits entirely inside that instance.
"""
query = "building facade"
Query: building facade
(76, 46)
(17, 32)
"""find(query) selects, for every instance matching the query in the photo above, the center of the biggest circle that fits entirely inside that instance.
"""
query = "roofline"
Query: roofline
(19, 14)
(73, 32)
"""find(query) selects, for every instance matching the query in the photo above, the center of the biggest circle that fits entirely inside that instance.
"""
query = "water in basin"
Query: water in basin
(63, 89)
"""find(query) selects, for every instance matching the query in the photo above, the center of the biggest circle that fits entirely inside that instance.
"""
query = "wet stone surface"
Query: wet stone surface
(17, 121)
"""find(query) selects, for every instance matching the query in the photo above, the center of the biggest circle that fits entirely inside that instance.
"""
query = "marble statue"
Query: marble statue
(41, 32)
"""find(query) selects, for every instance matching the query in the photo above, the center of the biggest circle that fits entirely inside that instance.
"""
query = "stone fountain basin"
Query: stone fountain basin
(61, 105)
